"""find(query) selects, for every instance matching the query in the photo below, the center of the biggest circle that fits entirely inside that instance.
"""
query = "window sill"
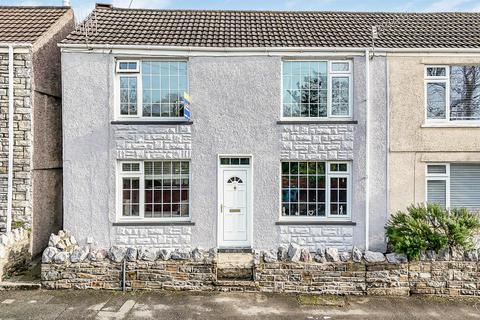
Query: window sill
(451, 125)
(317, 122)
(159, 122)
(153, 223)
(319, 223)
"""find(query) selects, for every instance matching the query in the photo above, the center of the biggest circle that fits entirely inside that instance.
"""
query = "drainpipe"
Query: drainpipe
(10, 140)
(367, 148)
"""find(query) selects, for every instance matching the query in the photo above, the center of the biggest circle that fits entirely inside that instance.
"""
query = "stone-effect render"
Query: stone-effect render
(236, 103)
(412, 144)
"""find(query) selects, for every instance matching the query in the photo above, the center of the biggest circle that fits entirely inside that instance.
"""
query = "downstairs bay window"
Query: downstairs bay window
(153, 190)
(454, 185)
(316, 190)
(452, 93)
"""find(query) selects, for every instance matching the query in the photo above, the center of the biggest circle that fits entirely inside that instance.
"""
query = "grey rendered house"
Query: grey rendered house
(30, 124)
(275, 148)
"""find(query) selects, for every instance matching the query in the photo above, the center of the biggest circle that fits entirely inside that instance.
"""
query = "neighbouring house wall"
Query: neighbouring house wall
(235, 108)
(23, 139)
(47, 133)
(412, 144)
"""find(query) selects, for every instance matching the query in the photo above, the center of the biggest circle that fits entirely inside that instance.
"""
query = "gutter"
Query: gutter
(267, 49)
(11, 140)
(367, 148)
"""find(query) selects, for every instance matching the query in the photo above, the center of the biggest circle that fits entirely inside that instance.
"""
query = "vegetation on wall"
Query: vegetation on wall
(431, 227)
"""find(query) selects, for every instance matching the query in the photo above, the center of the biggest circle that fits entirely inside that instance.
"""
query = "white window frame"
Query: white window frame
(328, 174)
(136, 70)
(141, 175)
(138, 74)
(438, 177)
(442, 79)
(330, 74)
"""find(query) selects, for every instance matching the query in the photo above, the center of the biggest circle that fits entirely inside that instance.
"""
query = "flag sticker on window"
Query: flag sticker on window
(186, 106)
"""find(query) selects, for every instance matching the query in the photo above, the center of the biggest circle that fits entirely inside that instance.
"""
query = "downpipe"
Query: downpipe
(367, 148)
(10, 140)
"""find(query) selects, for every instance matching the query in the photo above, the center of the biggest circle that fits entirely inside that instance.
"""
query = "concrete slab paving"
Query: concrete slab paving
(101, 305)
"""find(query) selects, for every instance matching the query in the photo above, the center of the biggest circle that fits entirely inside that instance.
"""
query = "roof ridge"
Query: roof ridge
(35, 7)
(286, 11)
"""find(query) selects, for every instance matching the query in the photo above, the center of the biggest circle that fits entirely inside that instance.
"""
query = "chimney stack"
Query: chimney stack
(103, 6)
(66, 3)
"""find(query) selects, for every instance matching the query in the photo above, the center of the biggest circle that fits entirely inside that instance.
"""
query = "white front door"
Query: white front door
(234, 215)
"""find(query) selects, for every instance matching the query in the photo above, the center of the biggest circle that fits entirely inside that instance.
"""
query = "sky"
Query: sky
(83, 7)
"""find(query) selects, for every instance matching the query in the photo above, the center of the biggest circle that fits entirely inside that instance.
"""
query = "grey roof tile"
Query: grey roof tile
(27, 24)
(205, 28)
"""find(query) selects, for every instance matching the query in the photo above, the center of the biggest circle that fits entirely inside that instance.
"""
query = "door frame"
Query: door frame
(220, 243)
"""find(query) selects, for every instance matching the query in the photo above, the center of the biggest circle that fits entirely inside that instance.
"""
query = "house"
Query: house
(30, 123)
(434, 121)
(243, 129)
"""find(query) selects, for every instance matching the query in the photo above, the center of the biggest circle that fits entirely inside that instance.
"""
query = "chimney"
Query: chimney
(103, 6)
(66, 3)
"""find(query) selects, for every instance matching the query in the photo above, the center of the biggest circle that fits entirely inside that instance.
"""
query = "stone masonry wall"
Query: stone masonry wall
(152, 142)
(317, 142)
(286, 270)
(159, 236)
(22, 176)
(314, 237)
(14, 251)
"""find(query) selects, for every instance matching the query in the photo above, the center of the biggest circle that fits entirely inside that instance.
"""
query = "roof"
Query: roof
(27, 24)
(205, 28)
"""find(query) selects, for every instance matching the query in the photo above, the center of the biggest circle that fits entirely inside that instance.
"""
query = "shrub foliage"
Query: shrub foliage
(430, 227)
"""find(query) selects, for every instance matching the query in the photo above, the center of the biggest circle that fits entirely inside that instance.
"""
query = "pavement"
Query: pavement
(41, 304)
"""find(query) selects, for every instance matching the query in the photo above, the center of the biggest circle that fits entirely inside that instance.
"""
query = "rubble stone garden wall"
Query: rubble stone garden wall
(290, 269)
(14, 251)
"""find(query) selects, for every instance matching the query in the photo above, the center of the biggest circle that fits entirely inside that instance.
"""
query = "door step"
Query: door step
(235, 266)
(236, 285)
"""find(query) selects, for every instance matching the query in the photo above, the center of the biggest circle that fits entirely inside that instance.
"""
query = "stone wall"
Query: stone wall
(14, 251)
(288, 270)
(22, 150)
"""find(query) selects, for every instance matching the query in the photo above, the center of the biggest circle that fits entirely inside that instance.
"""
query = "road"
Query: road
(183, 305)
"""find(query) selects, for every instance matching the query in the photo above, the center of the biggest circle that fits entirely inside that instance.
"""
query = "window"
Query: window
(235, 161)
(452, 93)
(454, 185)
(315, 190)
(151, 89)
(154, 190)
(317, 89)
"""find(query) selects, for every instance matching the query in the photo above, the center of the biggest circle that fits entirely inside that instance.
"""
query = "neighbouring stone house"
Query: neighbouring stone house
(30, 124)
(240, 130)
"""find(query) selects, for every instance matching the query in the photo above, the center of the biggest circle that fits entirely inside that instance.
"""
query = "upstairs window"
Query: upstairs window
(317, 89)
(452, 93)
(151, 89)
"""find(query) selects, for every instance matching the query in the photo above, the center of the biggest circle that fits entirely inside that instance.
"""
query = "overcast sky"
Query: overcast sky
(83, 7)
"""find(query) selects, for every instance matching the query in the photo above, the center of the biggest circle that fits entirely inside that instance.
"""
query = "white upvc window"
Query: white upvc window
(150, 89)
(438, 184)
(452, 94)
(316, 89)
(315, 190)
(453, 185)
(153, 190)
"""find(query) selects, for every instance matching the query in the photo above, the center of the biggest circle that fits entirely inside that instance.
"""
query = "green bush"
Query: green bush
(430, 227)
